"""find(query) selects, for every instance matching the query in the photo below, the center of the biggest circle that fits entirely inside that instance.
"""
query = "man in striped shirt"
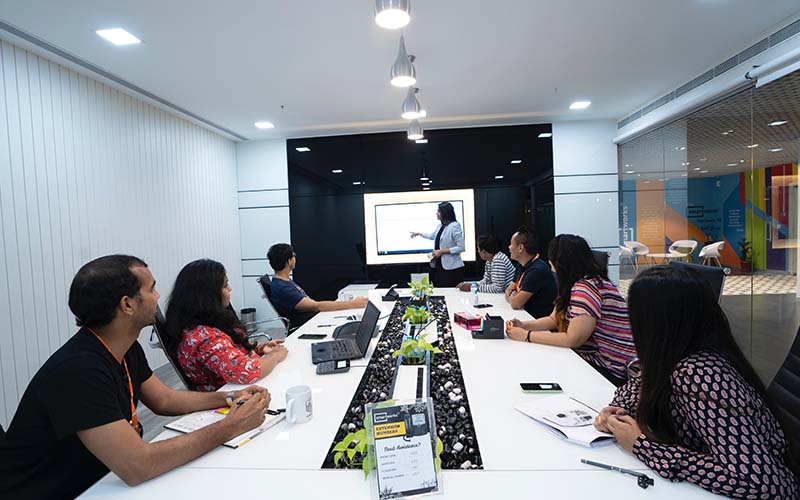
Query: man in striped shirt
(499, 270)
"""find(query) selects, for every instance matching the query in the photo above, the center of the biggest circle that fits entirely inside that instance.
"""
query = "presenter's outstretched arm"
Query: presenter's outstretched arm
(310, 305)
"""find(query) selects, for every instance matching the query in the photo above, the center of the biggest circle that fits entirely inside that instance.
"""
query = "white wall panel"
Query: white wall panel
(256, 267)
(86, 170)
(259, 199)
(591, 215)
(262, 165)
(262, 228)
(586, 183)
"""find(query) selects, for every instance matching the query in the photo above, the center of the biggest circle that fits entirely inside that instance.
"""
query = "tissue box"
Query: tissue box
(493, 328)
(468, 320)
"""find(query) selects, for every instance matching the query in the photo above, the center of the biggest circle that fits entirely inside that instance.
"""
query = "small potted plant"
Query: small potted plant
(746, 256)
(414, 350)
(420, 291)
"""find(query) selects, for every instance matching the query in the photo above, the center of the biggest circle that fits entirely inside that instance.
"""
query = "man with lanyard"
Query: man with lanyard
(77, 419)
(534, 287)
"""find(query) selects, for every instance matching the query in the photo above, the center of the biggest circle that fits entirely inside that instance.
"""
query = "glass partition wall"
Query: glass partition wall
(719, 188)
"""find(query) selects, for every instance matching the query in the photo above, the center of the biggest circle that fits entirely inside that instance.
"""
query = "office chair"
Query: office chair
(266, 286)
(625, 253)
(638, 249)
(711, 253)
(601, 257)
(714, 275)
(157, 341)
(784, 391)
(685, 247)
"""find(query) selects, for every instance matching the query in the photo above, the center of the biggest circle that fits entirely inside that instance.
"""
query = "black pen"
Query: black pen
(323, 326)
(644, 480)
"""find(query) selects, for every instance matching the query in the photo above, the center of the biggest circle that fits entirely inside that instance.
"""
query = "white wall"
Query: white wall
(85, 171)
(263, 213)
(586, 183)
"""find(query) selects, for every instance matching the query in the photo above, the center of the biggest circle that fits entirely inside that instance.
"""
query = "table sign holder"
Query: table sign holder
(402, 446)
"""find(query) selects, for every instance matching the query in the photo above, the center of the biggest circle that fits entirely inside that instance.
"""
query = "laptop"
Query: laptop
(348, 348)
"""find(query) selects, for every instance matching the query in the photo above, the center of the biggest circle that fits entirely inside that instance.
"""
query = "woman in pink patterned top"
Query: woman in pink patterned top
(590, 315)
(205, 336)
(697, 412)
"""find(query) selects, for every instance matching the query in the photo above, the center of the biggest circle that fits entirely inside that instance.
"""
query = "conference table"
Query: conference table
(521, 459)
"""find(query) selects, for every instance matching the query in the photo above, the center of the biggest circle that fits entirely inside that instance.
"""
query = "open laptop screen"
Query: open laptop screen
(369, 320)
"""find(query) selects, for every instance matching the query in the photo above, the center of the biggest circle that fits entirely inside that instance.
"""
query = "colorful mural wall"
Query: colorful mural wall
(761, 208)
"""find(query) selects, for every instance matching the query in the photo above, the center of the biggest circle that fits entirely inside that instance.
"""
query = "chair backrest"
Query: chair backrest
(266, 285)
(712, 249)
(159, 328)
(2, 432)
(714, 275)
(625, 251)
(601, 257)
(683, 246)
(784, 391)
(637, 247)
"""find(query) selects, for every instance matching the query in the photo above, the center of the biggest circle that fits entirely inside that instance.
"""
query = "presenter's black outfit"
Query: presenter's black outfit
(442, 277)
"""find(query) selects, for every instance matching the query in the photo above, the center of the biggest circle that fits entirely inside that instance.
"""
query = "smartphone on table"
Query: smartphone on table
(541, 387)
(312, 336)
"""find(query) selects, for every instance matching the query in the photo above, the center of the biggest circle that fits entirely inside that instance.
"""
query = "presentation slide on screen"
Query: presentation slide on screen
(391, 218)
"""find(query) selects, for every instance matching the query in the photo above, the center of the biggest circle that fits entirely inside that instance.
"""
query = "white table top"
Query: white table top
(492, 371)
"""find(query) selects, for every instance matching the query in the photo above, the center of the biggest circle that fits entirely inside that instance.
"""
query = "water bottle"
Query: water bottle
(473, 289)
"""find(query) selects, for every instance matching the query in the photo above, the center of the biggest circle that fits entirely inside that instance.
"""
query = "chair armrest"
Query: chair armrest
(259, 334)
(154, 341)
(268, 320)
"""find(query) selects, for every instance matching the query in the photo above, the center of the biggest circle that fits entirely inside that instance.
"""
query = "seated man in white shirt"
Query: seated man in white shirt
(499, 271)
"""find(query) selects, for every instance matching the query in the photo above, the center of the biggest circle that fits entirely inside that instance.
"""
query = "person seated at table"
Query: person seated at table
(534, 287)
(77, 419)
(289, 299)
(498, 271)
(697, 411)
(589, 316)
(206, 338)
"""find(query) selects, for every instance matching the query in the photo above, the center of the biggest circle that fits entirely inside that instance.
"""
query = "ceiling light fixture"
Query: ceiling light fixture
(336, 171)
(264, 125)
(696, 169)
(545, 135)
(728, 132)
(403, 73)
(303, 149)
(421, 141)
(580, 104)
(777, 123)
(776, 150)
(411, 107)
(752, 146)
(704, 171)
(118, 36)
(631, 172)
(731, 164)
(392, 14)
(498, 177)
(414, 131)
(516, 162)
(426, 189)
(356, 183)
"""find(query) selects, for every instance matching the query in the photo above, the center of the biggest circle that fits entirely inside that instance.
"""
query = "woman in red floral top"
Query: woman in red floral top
(205, 336)
(697, 412)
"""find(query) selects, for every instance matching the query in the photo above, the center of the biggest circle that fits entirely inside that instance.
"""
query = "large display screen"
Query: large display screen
(391, 218)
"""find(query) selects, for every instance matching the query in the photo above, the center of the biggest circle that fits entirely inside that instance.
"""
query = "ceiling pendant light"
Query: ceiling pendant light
(392, 14)
(415, 131)
(403, 73)
(411, 108)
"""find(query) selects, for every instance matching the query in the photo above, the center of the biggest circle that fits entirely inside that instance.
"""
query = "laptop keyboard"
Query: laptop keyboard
(344, 349)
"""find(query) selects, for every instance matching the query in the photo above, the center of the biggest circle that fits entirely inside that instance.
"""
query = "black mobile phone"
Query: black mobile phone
(542, 388)
(312, 336)
(481, 306)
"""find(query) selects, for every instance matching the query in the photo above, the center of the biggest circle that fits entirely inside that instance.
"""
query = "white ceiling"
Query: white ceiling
(497, 62)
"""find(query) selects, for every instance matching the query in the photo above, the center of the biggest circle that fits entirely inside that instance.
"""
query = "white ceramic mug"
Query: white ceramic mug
(298, 404)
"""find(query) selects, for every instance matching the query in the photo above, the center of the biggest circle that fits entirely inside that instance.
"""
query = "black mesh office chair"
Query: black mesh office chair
(266, 285)
(157, 341)
(714, 275)
(784, 391)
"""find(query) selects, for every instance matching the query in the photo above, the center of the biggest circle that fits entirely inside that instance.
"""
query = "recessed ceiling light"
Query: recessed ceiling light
(741, 161)
(426, 189)
(752, 146)
(264, 125)
(777, 123)
(426, 183)
(696, 169)
(424, 178)
(630, 172)
(775, 150)
(336, 171)
(627, 164)
(580, 104)
(661, 180)
(680, 148)
(421, 141)
(545, 135)
(731, 164)
(516, 162)
(118, 36)
(647, 182)
(704, 171)
(498, 176)
(303, 149)
(703, 159)
(684, 174)
(356, 183)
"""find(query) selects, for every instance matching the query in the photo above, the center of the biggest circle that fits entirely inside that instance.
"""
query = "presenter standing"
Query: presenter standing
(448, 268)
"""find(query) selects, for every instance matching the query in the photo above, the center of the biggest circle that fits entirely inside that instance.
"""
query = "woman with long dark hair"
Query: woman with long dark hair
(448, 268)
(206, 338)
(698, 412)
(589, 316)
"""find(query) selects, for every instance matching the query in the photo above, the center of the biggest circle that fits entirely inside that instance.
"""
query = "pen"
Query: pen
(643, 479)
(323, 326)
(276, 412)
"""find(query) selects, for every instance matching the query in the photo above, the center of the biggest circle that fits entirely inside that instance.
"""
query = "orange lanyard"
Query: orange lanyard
(134, 418)
(522, 275)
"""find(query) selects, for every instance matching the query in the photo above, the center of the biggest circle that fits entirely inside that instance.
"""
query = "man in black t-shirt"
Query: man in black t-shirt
(534, 287)
(77, 418)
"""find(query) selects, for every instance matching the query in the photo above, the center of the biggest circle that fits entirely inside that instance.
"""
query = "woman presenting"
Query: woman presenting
(448, 268)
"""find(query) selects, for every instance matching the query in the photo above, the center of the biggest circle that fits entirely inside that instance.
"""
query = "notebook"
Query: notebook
(200, 419)
(566, 418)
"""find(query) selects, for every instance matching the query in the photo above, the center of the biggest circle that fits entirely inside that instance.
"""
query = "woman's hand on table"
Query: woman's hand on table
(600, 420)
(515, 332)
(269, 346)
(625, 429)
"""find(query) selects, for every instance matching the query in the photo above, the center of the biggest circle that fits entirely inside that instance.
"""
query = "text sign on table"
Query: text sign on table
(404, 437)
